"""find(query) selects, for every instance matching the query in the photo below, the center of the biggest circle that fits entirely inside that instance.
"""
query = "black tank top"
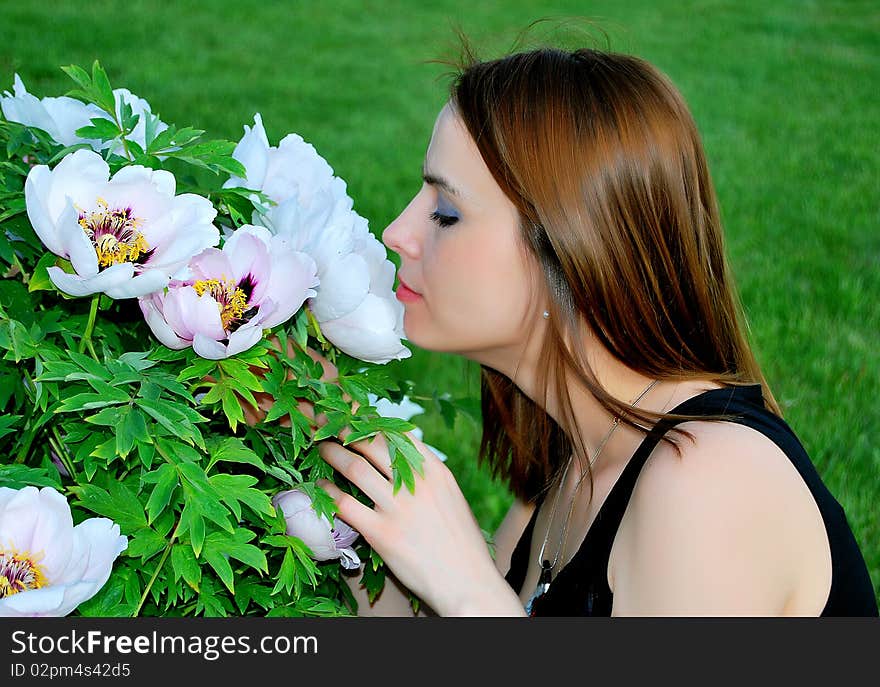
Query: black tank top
(580, 588)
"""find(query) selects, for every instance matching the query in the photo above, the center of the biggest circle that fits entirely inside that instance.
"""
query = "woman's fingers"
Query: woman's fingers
(375, 449)
(352, 511)
(358, 471)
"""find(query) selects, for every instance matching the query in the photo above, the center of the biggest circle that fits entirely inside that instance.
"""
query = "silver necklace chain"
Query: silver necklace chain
(547, 566)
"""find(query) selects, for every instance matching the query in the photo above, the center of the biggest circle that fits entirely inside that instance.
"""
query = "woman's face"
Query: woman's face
(465, 282)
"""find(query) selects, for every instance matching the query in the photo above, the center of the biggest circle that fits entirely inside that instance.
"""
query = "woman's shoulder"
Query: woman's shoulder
(725, 522)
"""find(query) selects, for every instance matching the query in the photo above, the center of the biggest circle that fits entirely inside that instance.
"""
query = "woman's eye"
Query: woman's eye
(443, 220)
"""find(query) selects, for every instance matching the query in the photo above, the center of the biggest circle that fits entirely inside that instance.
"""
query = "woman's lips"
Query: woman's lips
(406, 294)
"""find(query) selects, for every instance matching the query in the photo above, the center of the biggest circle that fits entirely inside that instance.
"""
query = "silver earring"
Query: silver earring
(546, 314)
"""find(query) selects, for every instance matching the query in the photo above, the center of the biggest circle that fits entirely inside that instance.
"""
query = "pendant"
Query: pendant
(541, 589)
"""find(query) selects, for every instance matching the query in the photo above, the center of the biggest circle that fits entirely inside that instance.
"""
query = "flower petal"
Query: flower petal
(211, 263)
(189, 314)
(143, 284)
(248, 253)
(368, 333)
(96, 545)
(349, 559)
(46, 601)
(37, 187)
(160, 328)
(74, 285)
(77, 247)
(252, 151)
(81, 176)
(38, 522)
(242, 339)
(344, 284)
(292, 280)
(209, 348)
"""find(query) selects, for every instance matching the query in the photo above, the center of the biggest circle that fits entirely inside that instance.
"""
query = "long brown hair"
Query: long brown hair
(602, 158)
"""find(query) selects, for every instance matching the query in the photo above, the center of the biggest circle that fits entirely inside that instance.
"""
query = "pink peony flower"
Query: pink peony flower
(325, 540)
(252, 284)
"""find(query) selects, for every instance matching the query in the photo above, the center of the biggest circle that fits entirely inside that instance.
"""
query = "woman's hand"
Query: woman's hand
(430, 538)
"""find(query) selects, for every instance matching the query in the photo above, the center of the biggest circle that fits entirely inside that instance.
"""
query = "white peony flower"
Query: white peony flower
(293, 169)
(124, 236)
(326, 540)
(47, 566)
(61, 117)
(355, 302)
(58, 117)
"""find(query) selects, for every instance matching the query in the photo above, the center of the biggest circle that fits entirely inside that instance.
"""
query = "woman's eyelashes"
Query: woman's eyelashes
(444, 215)
(443, 220)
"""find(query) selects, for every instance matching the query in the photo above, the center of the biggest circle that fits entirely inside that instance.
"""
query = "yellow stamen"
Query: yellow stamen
(19, 572)
(231, 300)
(114, 234)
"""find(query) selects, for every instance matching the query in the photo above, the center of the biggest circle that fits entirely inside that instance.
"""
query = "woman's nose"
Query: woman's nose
(402, 235)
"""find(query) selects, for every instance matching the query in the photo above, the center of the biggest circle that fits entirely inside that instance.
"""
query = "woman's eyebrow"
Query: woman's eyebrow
(440, 182)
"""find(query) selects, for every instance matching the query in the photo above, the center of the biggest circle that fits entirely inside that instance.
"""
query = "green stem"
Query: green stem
(86, 339)
(61, 450)
(157, 570)
(25, 449)
(122, 135)
(32, 433)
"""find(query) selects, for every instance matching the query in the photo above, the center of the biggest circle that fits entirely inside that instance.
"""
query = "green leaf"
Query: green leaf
(373, 580)
(39, 280)
(193, 522)
(184, 564)
(333, 427)
(198, 370)
(240, 372)
(403, 461)
(221, 566)
(132, 428)
(161, 496)
(168, 416)
(101, 129)
(120, 504)
(108, 602)
(286, 574)
(201, 494)
(448, 411)
(79, 75)
(172, 138)
(232, 408)
(247, 591)
(145, 543)
(233, 450)
(109, 417)
(19, 476)
(237, 488)
(88, 401)
(132, 588)
(136, 359)
(90, 365)
(306, 566)
(176, 451)
(236, 546)
(103, 90)
(8, 424)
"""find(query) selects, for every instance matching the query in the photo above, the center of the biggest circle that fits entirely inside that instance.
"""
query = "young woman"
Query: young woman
(567, 238)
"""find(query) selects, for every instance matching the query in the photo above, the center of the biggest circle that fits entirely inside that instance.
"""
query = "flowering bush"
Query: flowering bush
(153, 283)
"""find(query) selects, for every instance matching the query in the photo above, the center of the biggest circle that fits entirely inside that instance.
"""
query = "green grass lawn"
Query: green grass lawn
(782, 96)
